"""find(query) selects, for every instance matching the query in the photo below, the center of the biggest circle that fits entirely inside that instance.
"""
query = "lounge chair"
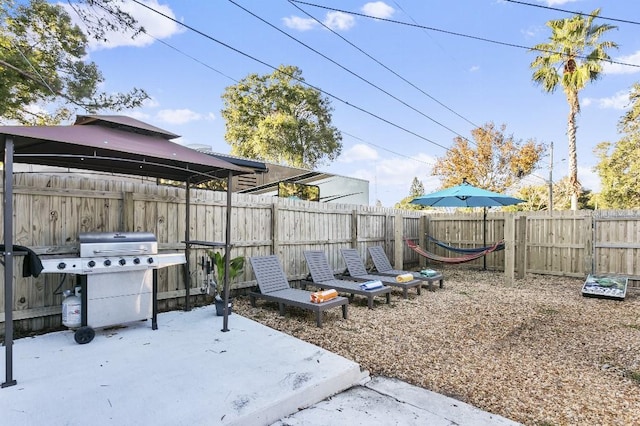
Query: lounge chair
(383, 267)
(322, 277)
(274, 287)
(357, 271)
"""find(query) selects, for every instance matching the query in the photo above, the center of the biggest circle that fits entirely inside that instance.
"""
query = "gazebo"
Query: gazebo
(106, 143)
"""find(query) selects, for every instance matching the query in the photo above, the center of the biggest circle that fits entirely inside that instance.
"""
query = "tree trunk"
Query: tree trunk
(574, 109)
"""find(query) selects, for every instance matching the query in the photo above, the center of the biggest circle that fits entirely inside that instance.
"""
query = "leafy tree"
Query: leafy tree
(103, 16)
(42, 61)
(563, 193)
(300, 191)
(416, 190)
(572, 58)
(494, 162)
(619, 166)
(275, 117)
(537, 197)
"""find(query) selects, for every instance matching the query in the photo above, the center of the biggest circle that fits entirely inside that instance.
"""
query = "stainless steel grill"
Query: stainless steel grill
(117, 274)
(109, 252)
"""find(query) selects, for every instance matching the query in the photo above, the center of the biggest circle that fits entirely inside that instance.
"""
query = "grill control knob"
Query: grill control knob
(150, 260)
(122, 262)
(91, 263)
(62, 265)
(107, 262)
(136, 261)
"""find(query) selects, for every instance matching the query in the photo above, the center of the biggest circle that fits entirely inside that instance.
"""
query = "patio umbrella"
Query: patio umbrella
(467, 195)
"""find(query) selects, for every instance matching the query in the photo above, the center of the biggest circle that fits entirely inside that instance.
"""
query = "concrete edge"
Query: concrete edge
(304, 398)
(446, 407)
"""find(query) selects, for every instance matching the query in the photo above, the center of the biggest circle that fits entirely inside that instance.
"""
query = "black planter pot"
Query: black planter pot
(220, 307)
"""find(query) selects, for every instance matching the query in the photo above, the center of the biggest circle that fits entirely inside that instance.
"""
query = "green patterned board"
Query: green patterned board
(605, 286)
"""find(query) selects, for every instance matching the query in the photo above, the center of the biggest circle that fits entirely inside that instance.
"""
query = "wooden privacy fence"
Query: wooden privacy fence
(51, 210)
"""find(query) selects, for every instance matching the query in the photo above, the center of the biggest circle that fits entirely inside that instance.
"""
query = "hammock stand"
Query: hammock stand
(451, 260)
(465, 250)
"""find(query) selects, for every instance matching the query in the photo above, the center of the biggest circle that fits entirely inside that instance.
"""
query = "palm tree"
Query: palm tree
(572, 58)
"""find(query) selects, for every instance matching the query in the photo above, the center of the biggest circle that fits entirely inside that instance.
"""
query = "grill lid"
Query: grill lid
(94, 244)
(116, 237)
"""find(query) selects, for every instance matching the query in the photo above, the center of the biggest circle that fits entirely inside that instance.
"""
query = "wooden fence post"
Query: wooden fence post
(521, 250)
(275, 243)
(397, 241)
(387, 234)
(509, 247)
(423, 229)
(354, 229)
(588, 244)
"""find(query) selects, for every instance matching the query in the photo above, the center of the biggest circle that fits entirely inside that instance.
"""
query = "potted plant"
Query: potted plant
(236, 266)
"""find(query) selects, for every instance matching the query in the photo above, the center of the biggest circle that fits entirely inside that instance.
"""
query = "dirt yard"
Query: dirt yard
(535, 351)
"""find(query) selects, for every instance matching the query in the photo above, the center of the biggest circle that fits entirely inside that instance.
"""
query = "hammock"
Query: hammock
(453, 260)
(465, 250)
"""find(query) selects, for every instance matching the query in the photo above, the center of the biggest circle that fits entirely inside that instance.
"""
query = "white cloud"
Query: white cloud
(339, 21)
(633, 59)
(474, 68)
(300, 24)
(532, 31)
(618, 101)
(139, 115)
(389, 177)
(178, 116)
(155, 25)
(150, 102)
(358, 152)
(334, 20)
(378, 9)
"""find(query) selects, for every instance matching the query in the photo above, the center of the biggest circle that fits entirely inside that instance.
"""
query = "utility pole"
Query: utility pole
(551, 179)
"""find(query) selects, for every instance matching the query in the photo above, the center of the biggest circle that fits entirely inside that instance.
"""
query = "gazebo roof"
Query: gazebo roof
(116, 144)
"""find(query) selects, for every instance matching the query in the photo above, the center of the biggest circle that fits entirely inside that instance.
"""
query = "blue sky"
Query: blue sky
(477, 81)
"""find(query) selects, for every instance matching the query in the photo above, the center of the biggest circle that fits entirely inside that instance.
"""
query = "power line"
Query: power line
(39, 81)
(572, 12)
(385, 149)
(502, 43)
(426, 32)
(231, 78)
(207, 36)
(385, 67)
(236, 81)
(347, 69)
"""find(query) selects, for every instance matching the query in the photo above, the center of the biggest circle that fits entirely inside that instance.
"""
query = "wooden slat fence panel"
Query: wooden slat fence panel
(617, 244)
(555, 244)
(51, 210)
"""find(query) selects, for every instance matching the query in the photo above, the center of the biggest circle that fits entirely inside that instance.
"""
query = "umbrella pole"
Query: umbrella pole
(484, 236)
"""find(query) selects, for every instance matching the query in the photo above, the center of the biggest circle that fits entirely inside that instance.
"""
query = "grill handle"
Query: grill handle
(122, 251)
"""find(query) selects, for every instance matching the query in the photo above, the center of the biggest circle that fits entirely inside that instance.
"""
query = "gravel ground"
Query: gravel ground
(535, 351)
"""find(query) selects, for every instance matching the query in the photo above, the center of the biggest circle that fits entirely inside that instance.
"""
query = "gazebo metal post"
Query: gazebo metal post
(8, 261)
(484, 236)
(227, 255)
(187, 246)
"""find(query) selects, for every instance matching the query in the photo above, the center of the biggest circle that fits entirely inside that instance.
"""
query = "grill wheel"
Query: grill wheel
(84, 335)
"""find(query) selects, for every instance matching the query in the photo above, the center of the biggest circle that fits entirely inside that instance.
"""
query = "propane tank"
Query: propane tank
(71, 308)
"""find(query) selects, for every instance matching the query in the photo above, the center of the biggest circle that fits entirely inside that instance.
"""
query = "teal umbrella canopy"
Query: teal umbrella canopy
(465, 195)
